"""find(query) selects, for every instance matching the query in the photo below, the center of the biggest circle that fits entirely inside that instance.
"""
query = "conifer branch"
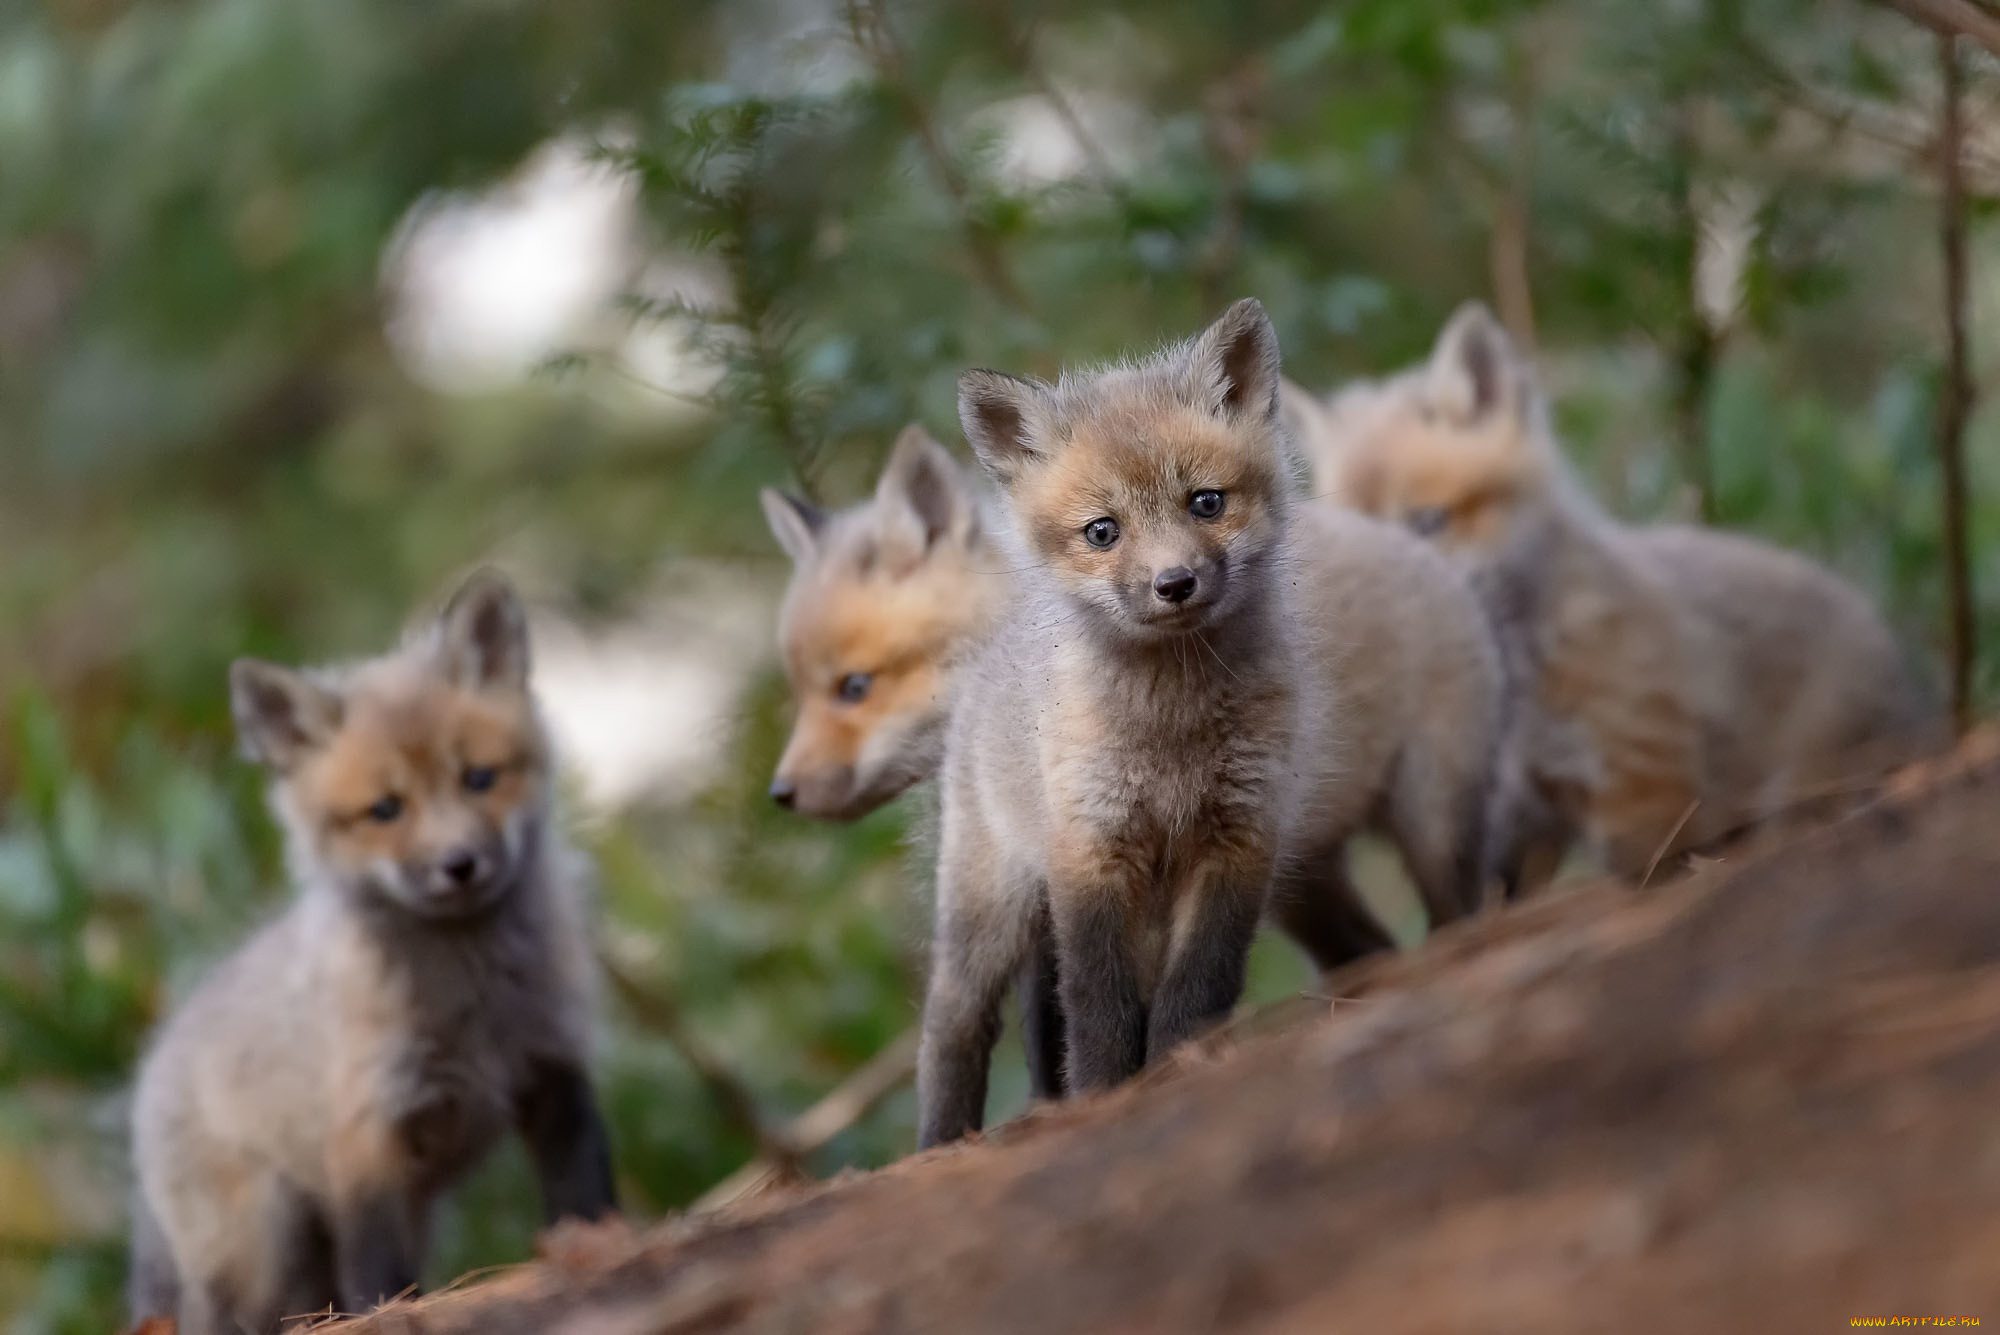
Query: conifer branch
(877, 41)
(1953, 18)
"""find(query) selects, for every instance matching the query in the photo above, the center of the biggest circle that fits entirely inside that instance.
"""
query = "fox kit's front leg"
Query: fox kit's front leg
(1215, 921)
(374, 1246)
(1041, 1014)
(566, 1138)
(376, 1255)
(1097, 907)
(985, 928)
(375, 1223)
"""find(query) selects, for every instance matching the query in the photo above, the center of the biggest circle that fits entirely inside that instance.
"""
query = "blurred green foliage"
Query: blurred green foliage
(209, 446)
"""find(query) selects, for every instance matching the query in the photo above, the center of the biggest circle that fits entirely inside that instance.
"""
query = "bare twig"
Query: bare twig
(816, 1127)
(1953, 18)
(1653, 863)
(1695, 344)
(1233, 125)
(662, 1014)
(1066, 112)
(875, 39)
(1956, 393)
(1904, 132)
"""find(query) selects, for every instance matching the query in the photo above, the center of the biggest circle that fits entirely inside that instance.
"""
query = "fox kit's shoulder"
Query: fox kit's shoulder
(1387, 601)
(885, 598)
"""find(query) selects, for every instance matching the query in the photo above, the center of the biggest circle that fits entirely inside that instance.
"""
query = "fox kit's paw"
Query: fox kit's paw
(580, 1244)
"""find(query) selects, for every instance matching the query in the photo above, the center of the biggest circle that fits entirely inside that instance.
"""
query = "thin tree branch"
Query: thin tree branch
(662, 1014)
(1956, 394)
(873, 36)
(1953, 18)
(1695, 344)
(1903, 131)
(816, 1127)
(1066, 112)
(1232, 123)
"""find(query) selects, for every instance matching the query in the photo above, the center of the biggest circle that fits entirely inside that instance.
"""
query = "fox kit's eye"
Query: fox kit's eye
(479, 778)
(1427, 521)
(1101, 533)
(853, 688)
(1205, 504)
(386, 809)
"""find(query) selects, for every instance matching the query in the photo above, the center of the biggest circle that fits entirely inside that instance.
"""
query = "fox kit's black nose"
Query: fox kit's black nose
(783, 793)
(461, 865)
(1175, 585)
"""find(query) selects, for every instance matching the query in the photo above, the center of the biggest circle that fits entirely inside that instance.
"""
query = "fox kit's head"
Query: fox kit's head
(419, 779)
(1455, 449)
(1155, 493)
(884, 597)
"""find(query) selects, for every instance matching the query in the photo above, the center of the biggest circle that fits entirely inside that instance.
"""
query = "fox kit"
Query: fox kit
(425, 990)
(885, 597)
(1199, 692)
(1681, 682)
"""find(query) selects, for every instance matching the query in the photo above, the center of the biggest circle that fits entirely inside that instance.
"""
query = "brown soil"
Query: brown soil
(1765, 1098)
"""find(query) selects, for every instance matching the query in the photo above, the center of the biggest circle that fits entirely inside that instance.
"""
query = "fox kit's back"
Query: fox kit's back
(1676, 682)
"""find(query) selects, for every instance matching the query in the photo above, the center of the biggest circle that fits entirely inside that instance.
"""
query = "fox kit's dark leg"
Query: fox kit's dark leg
(1104, 1011)
(375, 1257)
(372, 1220)
(1437, 818)
(1041, 1014)
(565, 1134)
(983, 934)
(1204, 977)
(302, 1280)
(1318, 907)
(1531, 854)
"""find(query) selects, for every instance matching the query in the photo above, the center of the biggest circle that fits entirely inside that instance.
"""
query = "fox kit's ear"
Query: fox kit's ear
(484, 634)
(280, 714)
(1235, 362)
(1001, 416)
(922, 497)
(794, 523)
(1474, 374)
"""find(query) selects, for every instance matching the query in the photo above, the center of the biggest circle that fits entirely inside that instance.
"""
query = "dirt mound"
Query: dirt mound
(1760, 1099)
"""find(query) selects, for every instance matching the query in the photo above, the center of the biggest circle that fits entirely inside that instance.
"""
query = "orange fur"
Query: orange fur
(414, 736)
(894, 590)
